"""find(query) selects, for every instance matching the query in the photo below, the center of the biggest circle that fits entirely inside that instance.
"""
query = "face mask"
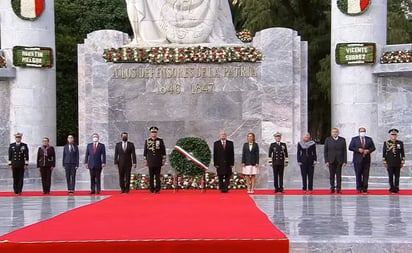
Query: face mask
(124, 138)
(362, 134)
(95, 139)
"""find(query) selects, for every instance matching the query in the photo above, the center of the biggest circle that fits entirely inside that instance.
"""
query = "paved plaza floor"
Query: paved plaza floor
(313, 223)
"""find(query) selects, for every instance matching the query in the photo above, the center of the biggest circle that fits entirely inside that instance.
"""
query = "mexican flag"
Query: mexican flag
(30, 8)
(357, 6)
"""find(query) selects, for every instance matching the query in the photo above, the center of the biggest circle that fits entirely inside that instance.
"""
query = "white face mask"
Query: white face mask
(362, 134)
(95, 139)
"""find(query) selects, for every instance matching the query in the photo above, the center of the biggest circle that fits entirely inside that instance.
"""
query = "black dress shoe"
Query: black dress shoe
(332, 190)
(339, 191)
(92, 192)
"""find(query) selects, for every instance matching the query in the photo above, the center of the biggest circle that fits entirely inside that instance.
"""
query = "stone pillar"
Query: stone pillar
(33, 91)
(354, 88)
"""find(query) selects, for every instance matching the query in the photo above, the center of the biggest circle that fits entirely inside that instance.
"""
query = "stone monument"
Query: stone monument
(191, 98)
(28, 94)
(375, 95)
(181, 22)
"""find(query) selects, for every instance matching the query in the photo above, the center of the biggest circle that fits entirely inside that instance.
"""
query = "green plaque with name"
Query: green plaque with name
(35, 57)
(355, 53)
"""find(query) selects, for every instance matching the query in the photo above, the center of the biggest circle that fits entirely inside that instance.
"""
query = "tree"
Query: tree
(74, 20)
(311, 18)
(399, 27)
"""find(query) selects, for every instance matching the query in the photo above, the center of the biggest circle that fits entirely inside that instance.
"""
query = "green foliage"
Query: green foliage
(399, 28)
(74, 20)
(311, 18)
(198, 148)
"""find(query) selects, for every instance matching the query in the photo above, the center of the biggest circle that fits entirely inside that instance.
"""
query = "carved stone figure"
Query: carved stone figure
(156, 22)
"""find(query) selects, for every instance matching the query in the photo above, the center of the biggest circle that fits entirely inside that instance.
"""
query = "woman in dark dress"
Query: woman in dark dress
(307, 159)
(250, 162)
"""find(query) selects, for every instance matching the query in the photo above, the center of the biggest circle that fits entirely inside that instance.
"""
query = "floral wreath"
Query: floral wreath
(2, 61)
(198, 148)
(404, 56)
(170, 55)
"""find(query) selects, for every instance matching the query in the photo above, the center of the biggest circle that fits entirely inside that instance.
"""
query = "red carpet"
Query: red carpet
(327, 192)
(144, 222)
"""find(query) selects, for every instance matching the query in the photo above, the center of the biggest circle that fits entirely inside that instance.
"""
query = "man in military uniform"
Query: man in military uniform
(393, 159)
(278, 152)
(154, 155)
(18, 162)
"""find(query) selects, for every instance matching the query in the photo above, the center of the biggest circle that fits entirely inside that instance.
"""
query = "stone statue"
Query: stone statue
(157, 22)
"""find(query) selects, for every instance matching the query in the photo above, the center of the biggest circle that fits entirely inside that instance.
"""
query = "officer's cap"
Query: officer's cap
(153, 129)
(277, 134)
(18, 135)
(393, 131)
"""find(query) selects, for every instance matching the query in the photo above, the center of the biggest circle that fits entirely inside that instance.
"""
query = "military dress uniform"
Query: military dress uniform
(154, 155)
(394, 159)
(278, 152)
(18, 160)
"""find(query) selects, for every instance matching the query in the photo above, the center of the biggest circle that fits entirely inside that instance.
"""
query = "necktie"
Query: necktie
(363, 142)
(124, 146)
(95, 148)
(71, 148)
(224, 145)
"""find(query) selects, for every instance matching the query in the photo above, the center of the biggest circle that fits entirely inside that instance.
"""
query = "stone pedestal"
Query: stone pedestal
(237, 97)
(28, 101)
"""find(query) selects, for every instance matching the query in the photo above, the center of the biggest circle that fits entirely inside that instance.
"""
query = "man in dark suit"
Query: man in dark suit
(278, 153)
(70, 162)
(18, 162)
(46, 162)
(335, 154)
(362, 147)
(393, 159)
(154, 155)
(223, 160)
(124, 160)
(95, 161)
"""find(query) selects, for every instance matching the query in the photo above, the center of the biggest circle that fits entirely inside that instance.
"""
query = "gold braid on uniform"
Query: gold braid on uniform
(391, 146)
(151, 145)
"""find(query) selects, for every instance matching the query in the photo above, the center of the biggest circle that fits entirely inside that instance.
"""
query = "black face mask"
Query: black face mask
(124, 138)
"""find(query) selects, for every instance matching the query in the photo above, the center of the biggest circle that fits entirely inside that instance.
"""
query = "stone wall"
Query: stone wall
(394, 102)
(267, 97)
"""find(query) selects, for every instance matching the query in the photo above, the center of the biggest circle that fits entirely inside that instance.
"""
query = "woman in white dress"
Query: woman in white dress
(250, 161)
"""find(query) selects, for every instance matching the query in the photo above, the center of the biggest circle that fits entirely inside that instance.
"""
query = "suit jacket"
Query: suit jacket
(355, 145)
(18, 155)
(46, 157)
(125, 158)
(95, 160)
(70, 158)
(307, 155)
(393, 153)
(250, 157)
(154, 152)
(278, 153)
(335, 151)
(223, 159)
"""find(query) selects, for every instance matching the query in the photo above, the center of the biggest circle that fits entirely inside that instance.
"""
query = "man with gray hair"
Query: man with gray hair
(335, 158)
(95, 161)
(223, 160)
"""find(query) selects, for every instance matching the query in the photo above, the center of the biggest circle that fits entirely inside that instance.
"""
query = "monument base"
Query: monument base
(196, 99)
